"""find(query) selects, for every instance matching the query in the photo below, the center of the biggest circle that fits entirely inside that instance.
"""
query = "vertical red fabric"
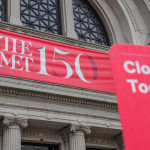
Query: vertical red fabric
(131, 68)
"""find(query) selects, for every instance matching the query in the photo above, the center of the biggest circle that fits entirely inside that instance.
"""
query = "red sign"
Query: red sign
(131, 68)
(43, 60)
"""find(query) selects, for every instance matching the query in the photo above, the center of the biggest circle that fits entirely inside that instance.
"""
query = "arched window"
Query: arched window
(2, 10)
(88, 25)
(41, 15)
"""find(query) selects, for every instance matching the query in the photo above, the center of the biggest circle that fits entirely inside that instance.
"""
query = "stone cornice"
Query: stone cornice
(19, 83)
(52, 37)
(46, 97)
(7, 121)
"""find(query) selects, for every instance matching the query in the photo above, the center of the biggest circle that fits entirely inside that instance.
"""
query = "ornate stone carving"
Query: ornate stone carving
(76, 128)
(44, 97)
(15, 121)
(40, 133)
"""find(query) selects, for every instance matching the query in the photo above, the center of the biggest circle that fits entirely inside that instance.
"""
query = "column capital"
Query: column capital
(8, 121)
(75, 128)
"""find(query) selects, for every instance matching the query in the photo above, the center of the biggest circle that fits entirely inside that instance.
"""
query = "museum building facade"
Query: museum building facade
(37, 115)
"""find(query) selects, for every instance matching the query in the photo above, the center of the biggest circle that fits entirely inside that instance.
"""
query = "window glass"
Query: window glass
(88, 25)
(42, 15)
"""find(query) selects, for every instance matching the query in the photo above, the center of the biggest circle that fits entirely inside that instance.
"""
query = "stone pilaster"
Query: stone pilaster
(12, 133)
(77, 137)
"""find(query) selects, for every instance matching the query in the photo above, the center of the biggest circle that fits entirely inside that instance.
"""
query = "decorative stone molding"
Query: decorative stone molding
(80, 128)
(147, 2)
(100, 141)
(40, 133)
(15, 121)
(44, 97)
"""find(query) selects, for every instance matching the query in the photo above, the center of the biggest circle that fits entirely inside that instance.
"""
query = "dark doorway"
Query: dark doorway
(38, 146)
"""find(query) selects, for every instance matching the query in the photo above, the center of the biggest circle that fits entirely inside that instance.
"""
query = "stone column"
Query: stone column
(77, 137)
(12, 133)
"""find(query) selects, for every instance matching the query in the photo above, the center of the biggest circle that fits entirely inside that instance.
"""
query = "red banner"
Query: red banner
(43, 60)
(131, 68)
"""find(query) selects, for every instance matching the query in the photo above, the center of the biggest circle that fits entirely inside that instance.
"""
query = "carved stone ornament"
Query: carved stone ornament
(38, 96)
(15, 121)
(76, 128)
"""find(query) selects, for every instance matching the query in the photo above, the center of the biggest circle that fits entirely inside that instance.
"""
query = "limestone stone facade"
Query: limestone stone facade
(73, 118)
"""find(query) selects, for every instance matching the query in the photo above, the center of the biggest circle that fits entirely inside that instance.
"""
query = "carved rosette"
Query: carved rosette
(15, 121)
(80, 128)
